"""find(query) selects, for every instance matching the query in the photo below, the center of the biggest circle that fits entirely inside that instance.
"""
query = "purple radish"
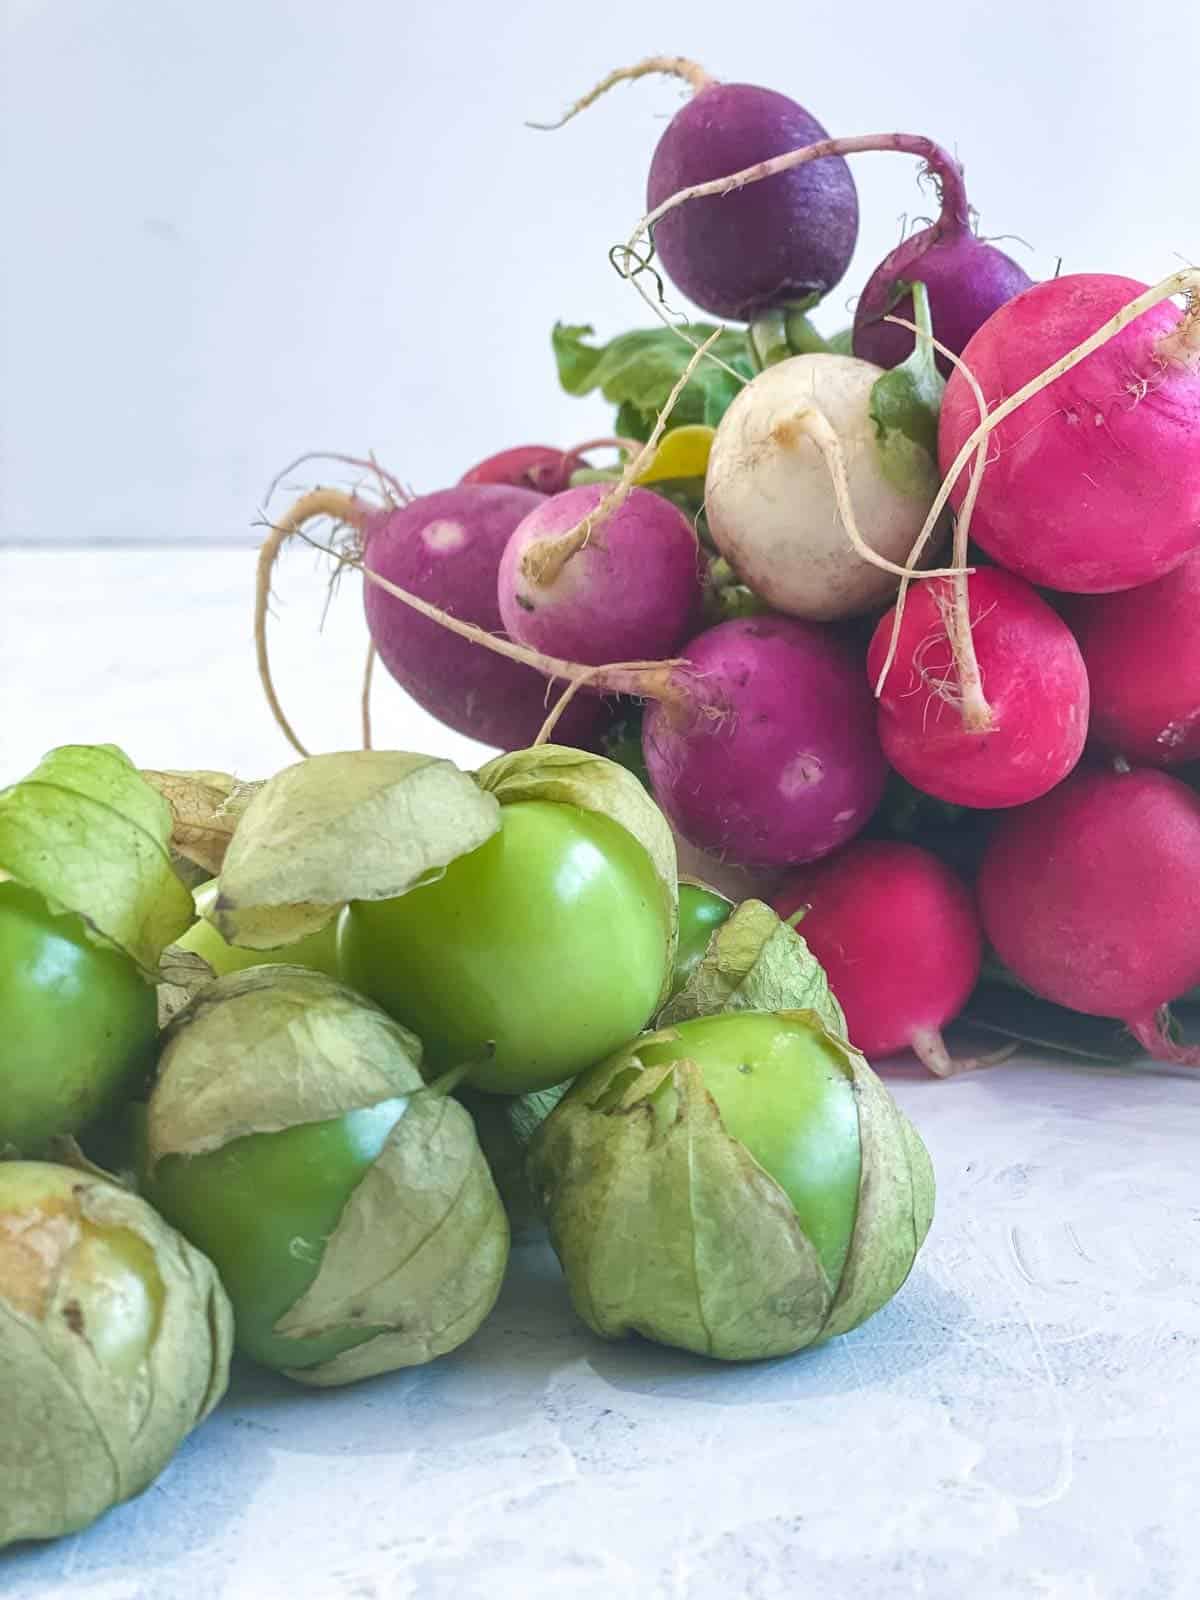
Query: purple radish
(966, 279)
(771, 758)
(626, 588)
(783, 241)
(1089, 897)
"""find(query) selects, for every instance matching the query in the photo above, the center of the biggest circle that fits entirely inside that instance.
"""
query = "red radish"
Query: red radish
(626, 589)
(898, 935)
(1089, 897)
(1142, 652)
(1093, 484)
(1033, 677)
(773, 758)
(528, 466)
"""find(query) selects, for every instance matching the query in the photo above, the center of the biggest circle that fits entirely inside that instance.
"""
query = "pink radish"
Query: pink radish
(1089, 897)
(628, 588)
(528, 466)
(771, 757)
(1093, 484)
(1142, 652)
(898, 935)
(1032, 675)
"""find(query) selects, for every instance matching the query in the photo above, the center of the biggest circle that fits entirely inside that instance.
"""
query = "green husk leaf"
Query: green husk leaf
(419, 1251)
(360, 825)
(755, 962)
(181, 976)
(593, 783)
(205, 809)
(895, 1203)
(90, 835)
(636, 372)
(314, 1047)
(667, 1227)
(505, 1127)
(79, 1435)
(905, 405)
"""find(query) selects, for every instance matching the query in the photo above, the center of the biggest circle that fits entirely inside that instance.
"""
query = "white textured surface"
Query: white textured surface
(1020, 1422)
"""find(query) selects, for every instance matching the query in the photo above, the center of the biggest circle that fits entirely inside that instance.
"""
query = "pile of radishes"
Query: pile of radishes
(959, 544)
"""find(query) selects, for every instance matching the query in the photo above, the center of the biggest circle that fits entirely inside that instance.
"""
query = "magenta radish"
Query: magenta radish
(1089, 897)
(787, 240)
(1033, 677)
(1142, 652)
(627, 588)
(1093, 484)
(772, 757)
(528, 466)
(965, 277)
(899, 937)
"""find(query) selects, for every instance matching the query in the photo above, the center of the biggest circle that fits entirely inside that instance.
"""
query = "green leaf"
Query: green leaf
(905, 405)
(361, 825)
(637, 371)
(90, 835)
(755, 962)
(594, 783)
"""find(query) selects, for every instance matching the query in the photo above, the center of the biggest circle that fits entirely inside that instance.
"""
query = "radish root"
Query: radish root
(930, 1050)
(543, 561)
(368, 674)
(1151, 1033)
(690, 72)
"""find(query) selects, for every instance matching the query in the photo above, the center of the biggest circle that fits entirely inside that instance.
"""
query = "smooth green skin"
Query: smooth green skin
(114, 1279)
(261, 1209)
(701, 913)
(782, 1091)
(550, 942)
(318, 950)
(77, 1023)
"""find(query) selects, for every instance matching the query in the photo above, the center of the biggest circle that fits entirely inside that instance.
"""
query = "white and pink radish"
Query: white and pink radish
(789, 240)
(1031, 673)
(594, 584)
(764, 750)
(899, 937)
(1141, 648)
(1093, 484)
(1089, 897)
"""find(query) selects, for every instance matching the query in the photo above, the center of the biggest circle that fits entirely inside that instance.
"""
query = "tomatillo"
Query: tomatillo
(79, 1022)
(550, 943)
(317, 950)
(115, 1339)
(345, 1202)
(741, 1185)
(701, 912)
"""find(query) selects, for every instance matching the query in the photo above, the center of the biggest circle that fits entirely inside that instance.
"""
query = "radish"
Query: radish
(766, 753)
(1031, 671)
(965, 277)
(446, 549)
(820, 478)
(1089, 897)
(1095, 485)
(790, 240)
(1142, 652)
(528, 466)
(627, 588)
(898, 935)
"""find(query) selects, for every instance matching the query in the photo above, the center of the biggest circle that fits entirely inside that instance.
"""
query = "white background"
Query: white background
(241, 229)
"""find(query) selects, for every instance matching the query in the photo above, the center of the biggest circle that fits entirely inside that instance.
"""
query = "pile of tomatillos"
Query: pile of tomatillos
(888, 634)
(299, 1108)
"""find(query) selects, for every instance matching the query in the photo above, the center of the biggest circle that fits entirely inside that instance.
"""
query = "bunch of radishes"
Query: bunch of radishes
(1065, 445)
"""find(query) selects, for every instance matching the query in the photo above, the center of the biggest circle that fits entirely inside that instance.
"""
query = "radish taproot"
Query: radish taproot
(1088, 896)
(628, 587)
(769, 756)
(899, 937)
(1092, 485)
(1031, 672)
(1142, 652)
(789, 240)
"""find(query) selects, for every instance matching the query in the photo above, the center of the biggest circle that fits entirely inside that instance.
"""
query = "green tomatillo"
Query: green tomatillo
(316, 950)
(115, 1339)
(346, 1204)
(741, 1185)
(701, 912)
